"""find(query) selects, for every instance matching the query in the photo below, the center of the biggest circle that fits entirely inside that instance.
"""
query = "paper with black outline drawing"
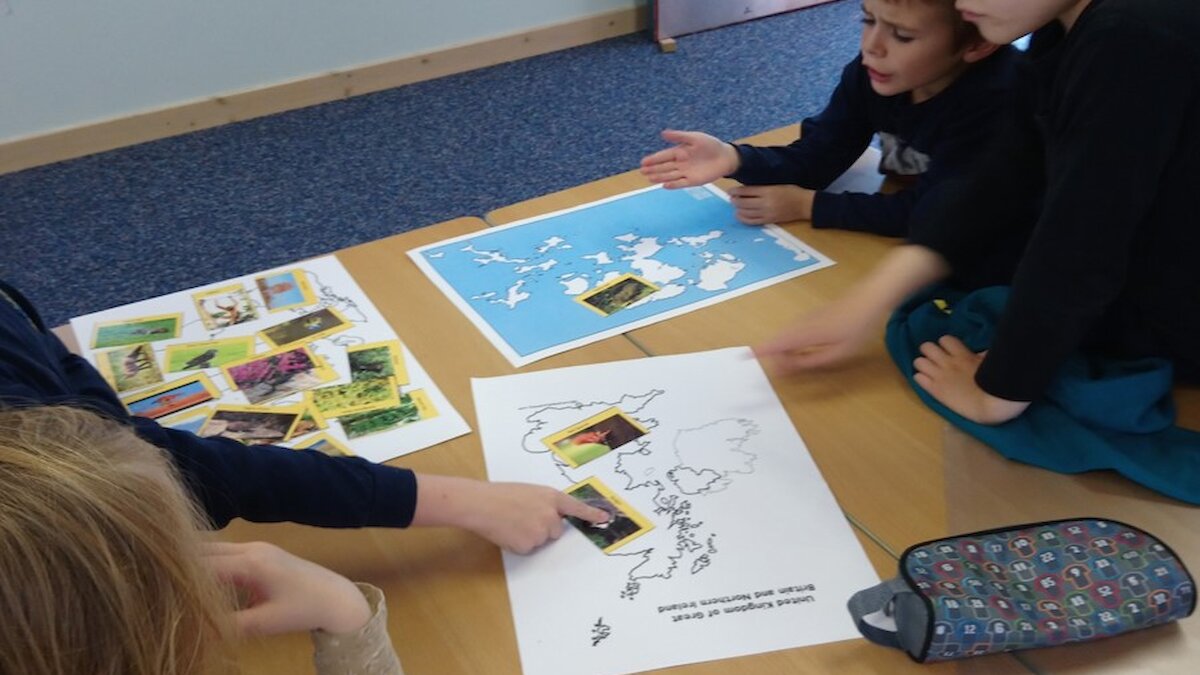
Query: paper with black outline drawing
(744, 522)
(333, 287)
(518, 283)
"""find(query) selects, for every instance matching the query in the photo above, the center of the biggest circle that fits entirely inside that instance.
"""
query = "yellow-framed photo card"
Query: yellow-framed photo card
(171, 397)
(355, 397)
(192, 419)
(594, 437)
(208, 354)
(225, 306)
(278, 373)
(312, 420)
(414, 407)
(129, 367)
(624, 523)
(253, 424)
(307, 328)
(617, 294)
(377, 359)
(285, 290)
(135, 331)
(324, 443)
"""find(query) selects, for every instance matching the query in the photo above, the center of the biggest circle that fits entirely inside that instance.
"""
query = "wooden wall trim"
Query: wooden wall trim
(89, 138)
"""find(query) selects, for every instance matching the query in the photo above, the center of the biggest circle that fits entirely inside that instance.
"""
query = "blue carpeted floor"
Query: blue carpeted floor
(104, 230)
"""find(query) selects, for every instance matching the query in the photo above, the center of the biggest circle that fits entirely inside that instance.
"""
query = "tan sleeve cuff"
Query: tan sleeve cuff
(366, 651)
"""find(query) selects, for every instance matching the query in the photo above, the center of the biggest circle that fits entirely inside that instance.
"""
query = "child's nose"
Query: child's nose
(872, 41)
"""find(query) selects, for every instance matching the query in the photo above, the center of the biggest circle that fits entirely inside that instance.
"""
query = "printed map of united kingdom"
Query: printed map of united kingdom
(673, 470)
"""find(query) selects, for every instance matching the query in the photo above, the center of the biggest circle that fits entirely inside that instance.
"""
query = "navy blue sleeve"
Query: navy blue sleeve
(966, 135)
(968, 219)
(885, 214)
(829, 143)
(230, 480)
(264, 483)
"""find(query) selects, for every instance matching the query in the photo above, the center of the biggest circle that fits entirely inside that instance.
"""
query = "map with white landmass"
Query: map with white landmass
(736, 546)
(671, 470)
(520, 282)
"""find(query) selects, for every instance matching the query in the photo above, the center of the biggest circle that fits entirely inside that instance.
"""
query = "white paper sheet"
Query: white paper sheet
(333, 287)
(749, 551)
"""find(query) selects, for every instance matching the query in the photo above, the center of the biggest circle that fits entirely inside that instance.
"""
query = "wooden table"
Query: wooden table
(447, 597)
(870, 435)
(899, 473)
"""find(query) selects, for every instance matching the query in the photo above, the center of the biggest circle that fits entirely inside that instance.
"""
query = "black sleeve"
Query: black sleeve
(966, 132)
(885, 214)
(829, 143)
(264, 483)
(1110, 138)
(230, 480)
(259, 483)
(981, 220)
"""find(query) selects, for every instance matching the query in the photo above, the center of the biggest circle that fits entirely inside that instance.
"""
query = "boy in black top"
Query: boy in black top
(924, 81)
(1087, 207)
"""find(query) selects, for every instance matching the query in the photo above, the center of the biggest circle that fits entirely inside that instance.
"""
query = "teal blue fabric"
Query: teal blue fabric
(1098, 414)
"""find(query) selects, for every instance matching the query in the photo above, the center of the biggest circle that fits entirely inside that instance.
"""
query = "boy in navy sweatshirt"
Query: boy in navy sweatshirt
(1085, 207)
(924, 81)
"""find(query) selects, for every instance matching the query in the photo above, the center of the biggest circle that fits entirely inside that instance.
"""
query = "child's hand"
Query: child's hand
(285, 593)
(695, 159)
(947, 369)
(839, 330)
(762, 204)
(517, 517)
(821, 338)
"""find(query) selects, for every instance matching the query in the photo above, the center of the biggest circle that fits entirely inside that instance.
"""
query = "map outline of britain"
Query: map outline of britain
(676, 466)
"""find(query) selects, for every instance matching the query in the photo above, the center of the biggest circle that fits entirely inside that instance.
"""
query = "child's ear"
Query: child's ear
(978, 51)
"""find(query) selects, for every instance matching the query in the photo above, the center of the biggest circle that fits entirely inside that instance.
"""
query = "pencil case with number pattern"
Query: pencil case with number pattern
(1023, 587)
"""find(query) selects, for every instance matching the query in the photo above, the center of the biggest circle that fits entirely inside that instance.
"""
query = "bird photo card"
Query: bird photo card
(306, 328)
(208, 354)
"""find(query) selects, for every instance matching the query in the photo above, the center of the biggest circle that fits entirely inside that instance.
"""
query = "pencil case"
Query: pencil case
(1023, 587)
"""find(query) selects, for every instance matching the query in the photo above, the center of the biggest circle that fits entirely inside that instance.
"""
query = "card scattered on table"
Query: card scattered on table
(297, 356)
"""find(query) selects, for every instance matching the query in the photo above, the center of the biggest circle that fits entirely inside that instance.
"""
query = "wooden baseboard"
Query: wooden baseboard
(90, 138)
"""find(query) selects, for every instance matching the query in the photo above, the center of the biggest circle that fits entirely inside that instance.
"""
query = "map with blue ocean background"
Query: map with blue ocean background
(521, 283)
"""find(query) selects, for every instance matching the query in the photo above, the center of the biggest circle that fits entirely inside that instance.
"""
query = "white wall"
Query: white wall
(69, 62)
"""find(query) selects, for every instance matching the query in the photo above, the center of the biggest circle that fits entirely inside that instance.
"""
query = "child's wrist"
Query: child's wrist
(733, 159)
(808, 201)
(349, 610)
(440, 501)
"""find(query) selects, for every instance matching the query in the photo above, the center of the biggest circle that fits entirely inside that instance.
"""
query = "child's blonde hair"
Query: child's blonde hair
(100, 568)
